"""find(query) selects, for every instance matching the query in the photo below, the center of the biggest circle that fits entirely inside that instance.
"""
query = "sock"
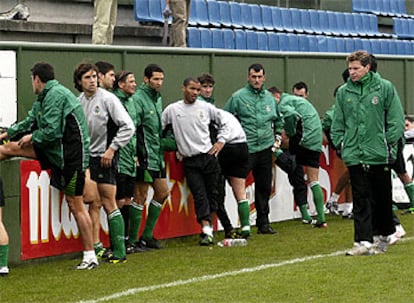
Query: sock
(318, 200)
(243, 208)
(116, 233)
(89, 254)
(97, 246)
(304, 211)
(4, 255)
(208, 230)
(409, 189)
(334, 197)
(154, 211)
(135, 217)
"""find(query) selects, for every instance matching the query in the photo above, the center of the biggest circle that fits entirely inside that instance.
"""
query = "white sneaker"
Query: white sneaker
(4, 270)
(400, 230)
(359, 250)
(394, 238)
(381, 245)
(87, 264)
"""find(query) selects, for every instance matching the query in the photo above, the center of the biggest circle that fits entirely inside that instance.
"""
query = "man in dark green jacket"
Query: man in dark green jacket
(368, 121)
(55, 133)
(255, 107)
(150, 151)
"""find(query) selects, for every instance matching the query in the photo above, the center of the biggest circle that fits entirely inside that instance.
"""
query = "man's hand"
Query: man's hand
(25, 141)
(277, 144)
(106, 160)
(217, 147)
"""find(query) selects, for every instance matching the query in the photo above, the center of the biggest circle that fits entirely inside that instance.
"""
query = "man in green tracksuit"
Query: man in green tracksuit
(368, 121)
(255, 107)
(150, 153)
(55, 133)
(304, 129)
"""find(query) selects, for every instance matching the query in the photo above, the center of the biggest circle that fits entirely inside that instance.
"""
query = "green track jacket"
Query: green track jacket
(258, 115)
(47, 121)
(294, 109)
(368, 120)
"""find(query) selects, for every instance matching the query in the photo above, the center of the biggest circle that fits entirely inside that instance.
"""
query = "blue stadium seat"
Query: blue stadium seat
(304, 43)
(148, 11)
(213, 10)
(360, 6)
(235, 15)
(359, 24)
(257, 17)
(198, 13)
(333, 25)
(314, 20)
(402, 28)
(277, 18)
(376, 47)
(206, 38)
(296, 16)
(392, 47)
(239, 39)
(273, 41)
(287, 23)
(262, 43)
(155, 10)
(349, 24)
(306, 23)
(313, 43)
(322, 43)
(251, 40)
(193, 37)
(331, 44)
(349, 45)
(340, 19)
(385, 47)
(357, 43)
(225, 13)
(246, 16)
(395, 7)
(217, 38)
(293, 42)
(324, 22)
(228, 38)
(366, 45)
(266, 12)
(340, 45)
(283, 42)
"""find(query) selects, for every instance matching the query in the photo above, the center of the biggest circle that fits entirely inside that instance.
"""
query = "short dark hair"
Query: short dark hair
(345, 75)
(360, 55)
(273, 90)
(104, 67)
(206, 78)
(409, 118)
(187, 81)
(44, 71)
(80, 70)
(374, 63)
(151, 68)
(120, 77)
(257, 67)
(300, 85)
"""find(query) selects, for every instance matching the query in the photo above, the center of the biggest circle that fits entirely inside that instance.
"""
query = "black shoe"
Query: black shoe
(232, 234)
(150, 243)
(206, 240)
(266, 230)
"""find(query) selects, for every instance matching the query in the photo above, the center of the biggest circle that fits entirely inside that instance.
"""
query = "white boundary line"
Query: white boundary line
(133, 291)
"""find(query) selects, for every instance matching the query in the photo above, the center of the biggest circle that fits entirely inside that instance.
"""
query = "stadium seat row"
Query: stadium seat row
(223, 14)
(390, 8)
(291, 42)
(404, 28)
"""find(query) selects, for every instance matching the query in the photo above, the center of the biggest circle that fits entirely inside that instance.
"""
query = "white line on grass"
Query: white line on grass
(133, 291)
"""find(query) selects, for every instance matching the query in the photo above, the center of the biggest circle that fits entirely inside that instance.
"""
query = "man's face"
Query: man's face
(36, 85)
(408, 125)
(357, 70)
(107, 80)
(129, 85)
(156, 81)
(89, 82)
(256, 79)
(191, 92)
(300, 92)
(207, 90)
